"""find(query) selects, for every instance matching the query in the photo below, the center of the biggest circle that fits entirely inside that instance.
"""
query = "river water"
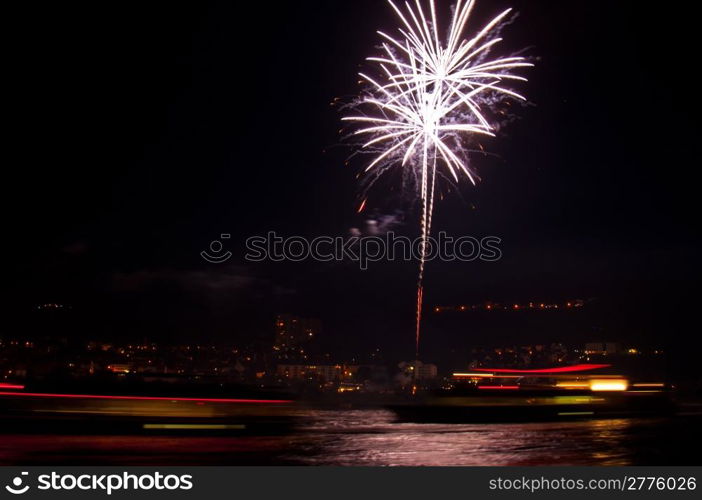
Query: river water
(373, 437)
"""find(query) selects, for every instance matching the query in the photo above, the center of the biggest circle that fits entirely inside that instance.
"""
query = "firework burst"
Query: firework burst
(431, 98)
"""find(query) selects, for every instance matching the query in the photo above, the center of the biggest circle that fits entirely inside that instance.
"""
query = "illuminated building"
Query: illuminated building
(294, 336)
(425, 372)
(602, 348)
(323, 373)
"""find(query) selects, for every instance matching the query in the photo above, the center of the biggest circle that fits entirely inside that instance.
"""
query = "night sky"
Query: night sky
(140, 133)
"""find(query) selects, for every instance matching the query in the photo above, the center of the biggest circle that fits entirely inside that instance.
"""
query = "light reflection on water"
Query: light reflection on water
(372, 437)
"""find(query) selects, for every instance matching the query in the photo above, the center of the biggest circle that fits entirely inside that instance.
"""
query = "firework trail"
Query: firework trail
(432, 97)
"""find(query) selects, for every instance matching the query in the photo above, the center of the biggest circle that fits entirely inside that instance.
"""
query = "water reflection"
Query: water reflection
(372, 437)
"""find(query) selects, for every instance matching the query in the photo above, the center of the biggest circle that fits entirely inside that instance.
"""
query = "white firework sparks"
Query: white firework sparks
(432, 96)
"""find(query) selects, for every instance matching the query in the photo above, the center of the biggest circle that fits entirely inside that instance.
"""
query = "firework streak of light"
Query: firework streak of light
(432, 97)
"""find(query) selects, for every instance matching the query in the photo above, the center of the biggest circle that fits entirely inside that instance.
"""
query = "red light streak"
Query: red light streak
(500, 387)
(10, 386)
(144, 398)
(560, 369)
